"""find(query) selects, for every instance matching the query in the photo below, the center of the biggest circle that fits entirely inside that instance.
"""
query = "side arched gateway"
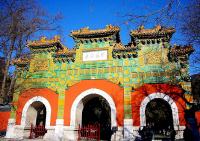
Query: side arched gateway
(42, 101)
(161, 96)
(170, 95)
(27, 106)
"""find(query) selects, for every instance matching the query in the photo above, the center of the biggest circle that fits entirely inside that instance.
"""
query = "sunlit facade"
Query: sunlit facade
(56, 85)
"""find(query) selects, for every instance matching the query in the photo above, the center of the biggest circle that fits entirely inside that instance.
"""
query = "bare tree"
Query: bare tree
(190, 26)
(19, 21)
(191, 22)
(165, 15)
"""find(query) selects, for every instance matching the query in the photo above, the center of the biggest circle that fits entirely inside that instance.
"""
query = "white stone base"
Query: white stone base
(135, 131)
(14, 131)
(10, 128)
(179, 132)
(118, 136)
(128, 130)
(50, 135)
(131, 132)
(69, 133)
(59, 132)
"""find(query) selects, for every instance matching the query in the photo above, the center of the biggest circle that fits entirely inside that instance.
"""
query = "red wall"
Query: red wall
(116, 93)
(197, 116)
(4, 116)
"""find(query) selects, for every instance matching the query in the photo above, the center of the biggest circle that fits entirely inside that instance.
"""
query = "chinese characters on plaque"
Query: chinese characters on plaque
(95, 55)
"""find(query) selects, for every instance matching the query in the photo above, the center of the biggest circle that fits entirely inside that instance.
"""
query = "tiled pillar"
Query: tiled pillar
(128, 121)
(59, 129)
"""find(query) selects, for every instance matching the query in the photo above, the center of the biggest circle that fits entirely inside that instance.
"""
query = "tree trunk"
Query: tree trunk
(11, 87)
(8, 60)
(12, 83)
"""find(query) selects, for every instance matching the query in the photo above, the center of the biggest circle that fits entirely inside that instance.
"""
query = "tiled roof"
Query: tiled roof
(86, 32)
(157, 30)
(44, 42)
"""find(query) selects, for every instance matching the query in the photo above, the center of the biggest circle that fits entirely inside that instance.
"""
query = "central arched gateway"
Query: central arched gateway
(83, 98)
(96, 110)
(94, 106)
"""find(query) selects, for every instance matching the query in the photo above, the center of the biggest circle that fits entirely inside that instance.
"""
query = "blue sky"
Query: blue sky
(98, 13)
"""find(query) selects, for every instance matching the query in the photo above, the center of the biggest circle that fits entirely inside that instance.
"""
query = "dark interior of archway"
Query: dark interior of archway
(97, 111)
(159, 115)
(41, 112)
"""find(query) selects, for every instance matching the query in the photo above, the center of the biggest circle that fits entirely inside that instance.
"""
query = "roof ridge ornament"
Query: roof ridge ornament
(158, 27)
(46, 45)
(84, 29)
(181, 50)
(109, 26)
(141, 27)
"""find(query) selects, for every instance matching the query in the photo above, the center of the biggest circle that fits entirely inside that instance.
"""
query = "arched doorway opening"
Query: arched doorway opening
(40, 101)
(36, 114)
(76, 112)
(84, 97)
(159, 115)
(164, 97)
(96, 110)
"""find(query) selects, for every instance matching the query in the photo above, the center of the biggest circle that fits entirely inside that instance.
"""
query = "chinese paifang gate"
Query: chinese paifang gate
(102, 81)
